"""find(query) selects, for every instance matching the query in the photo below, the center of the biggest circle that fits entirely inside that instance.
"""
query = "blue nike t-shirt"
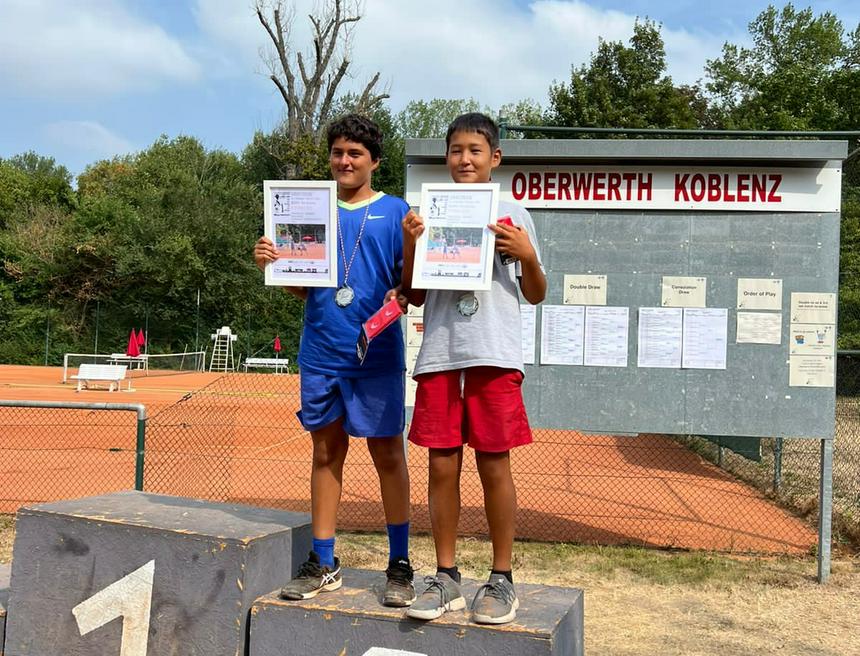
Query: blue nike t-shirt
(330, 332)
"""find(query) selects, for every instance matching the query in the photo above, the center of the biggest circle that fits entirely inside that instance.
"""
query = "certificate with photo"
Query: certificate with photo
(301, 220)
(456, 249)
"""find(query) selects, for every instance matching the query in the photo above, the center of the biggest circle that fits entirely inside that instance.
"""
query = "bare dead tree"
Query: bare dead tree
(308, 82)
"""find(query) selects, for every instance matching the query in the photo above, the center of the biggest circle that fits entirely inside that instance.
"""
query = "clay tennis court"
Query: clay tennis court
(464, 254)
(234, 437)
(308, 251)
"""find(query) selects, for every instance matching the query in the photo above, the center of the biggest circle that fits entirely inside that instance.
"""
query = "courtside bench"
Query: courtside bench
(112, 374)
(280, 365)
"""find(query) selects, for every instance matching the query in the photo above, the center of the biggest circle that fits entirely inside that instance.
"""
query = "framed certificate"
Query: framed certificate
(456, 249)
(301, 220)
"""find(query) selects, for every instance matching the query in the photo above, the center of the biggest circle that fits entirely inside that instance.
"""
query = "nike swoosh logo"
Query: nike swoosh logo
(370, 217)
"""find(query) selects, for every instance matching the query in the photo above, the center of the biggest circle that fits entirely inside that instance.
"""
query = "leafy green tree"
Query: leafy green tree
(523, 112)
(136, 242)
(14, 189)
(625, 86)
(849, 267)
(429, 119)
(800, 74)
(49, 182)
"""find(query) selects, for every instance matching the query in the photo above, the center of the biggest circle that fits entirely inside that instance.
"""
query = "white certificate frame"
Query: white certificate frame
(301, 278)
(484, 279)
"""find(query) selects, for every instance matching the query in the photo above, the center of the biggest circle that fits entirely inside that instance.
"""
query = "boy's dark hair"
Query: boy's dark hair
(474, 122)
(360, 129)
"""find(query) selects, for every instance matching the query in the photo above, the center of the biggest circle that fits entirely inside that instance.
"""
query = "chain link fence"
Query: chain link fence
(238, 441)
(51, 453)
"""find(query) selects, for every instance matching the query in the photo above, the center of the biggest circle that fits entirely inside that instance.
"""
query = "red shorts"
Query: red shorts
(488, 415)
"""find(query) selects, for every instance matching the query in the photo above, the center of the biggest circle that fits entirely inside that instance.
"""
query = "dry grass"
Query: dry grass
(640, 601)
(7, 534)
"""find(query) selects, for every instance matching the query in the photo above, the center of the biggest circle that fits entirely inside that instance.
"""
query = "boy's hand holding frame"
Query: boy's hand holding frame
(413, 227)
(264, 253)
(513, 240)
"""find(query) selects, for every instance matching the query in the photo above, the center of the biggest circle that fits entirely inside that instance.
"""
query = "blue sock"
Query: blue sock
(398, 541)
(325, 550)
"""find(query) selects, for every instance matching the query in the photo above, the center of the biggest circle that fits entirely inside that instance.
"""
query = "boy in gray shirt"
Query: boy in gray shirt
(469, 372)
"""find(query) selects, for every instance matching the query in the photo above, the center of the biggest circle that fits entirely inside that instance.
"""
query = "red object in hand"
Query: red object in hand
(506, 259)
(384, 317)
(381, 319)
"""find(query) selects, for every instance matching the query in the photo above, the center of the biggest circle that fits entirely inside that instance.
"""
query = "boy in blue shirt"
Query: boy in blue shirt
(339, 395)
(469, 372)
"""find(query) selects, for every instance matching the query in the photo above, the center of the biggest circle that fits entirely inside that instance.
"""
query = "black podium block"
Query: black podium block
(133, 574)
(352, 622)
(4, 599)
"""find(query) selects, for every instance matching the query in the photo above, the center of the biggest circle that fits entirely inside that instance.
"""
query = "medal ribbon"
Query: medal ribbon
(347, 267)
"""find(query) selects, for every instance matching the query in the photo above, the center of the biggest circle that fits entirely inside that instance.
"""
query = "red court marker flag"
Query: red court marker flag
(141, 338)
(132, 350)
(277, 344)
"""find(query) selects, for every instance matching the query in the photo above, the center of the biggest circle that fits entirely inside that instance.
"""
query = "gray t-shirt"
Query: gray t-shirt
(492, 337)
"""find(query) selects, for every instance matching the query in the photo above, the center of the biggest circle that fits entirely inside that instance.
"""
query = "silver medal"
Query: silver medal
(467, 305)
(344, 295)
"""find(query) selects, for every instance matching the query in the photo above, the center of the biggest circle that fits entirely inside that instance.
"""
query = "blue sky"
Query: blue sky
(83, 80)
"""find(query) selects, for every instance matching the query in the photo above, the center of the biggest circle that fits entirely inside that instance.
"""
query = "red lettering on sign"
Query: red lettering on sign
(613, 186)
(599, 185)
(743, 187)
(534, 186)
(549, 186)
(759, 188)
(772, 197)
(628, 189)
(680, 187)
(728, 196)
(582, 186)
(646, 181)
(564, 186)
(698, 180)
(714, 188)
(518, 186)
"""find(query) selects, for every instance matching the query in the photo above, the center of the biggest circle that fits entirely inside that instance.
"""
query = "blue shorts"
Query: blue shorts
(370, 407)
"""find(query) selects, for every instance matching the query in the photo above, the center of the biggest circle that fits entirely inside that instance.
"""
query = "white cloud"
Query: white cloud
(496, 52)
(234, 36)
(85, 48)
(232, 24)
(491, 50)
(86, 138)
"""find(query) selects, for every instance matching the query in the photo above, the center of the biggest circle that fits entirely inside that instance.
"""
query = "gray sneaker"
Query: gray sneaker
(442, 593)
(312, 579)
(495, 602)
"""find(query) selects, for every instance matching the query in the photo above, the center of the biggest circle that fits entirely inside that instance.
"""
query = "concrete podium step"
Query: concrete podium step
(132, 574)
(352, 622)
